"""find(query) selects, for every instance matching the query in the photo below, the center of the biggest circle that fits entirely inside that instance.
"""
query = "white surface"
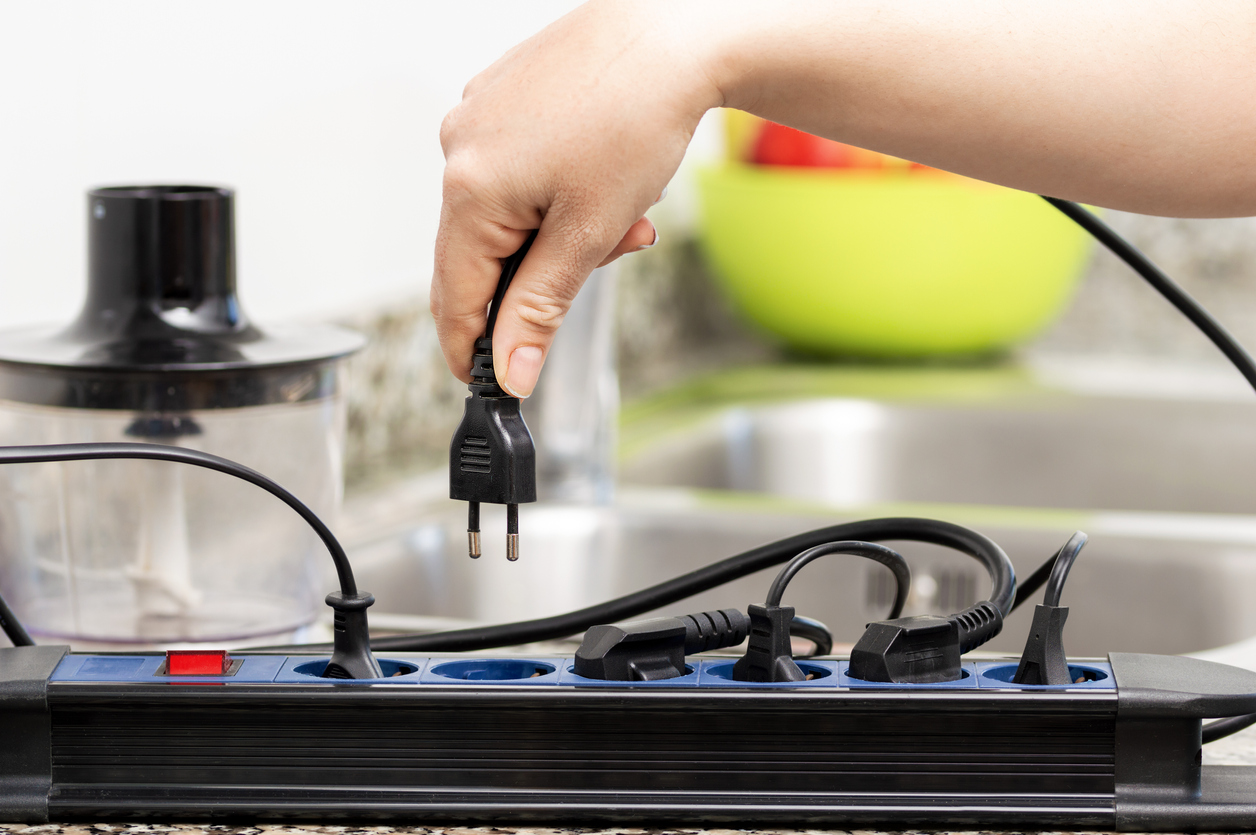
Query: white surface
(324, 117)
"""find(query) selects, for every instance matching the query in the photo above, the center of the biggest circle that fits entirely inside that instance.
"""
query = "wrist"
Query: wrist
(694, 33)
(735, 45)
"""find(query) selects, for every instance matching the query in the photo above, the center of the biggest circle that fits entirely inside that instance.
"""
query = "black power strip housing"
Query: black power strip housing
(1126, 757)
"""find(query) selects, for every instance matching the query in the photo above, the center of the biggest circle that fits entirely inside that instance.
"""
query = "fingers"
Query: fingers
(465, 277)
(641, 235)
(538, 299)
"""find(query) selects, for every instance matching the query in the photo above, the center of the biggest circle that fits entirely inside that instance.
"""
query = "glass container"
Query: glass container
(152, 551)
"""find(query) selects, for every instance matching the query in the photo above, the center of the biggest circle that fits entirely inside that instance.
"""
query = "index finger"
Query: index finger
(467, 267)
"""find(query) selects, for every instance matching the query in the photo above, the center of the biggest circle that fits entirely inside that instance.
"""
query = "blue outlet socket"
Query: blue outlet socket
(1094, 675)
(715, 673)
(517, 671)
(968, 679)
(307, 670)
(568, 677)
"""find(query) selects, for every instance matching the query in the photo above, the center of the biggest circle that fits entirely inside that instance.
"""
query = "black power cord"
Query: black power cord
(1026, 588)
(1048, 570)
(12, 627)
(510, 266)
(946, 534)
(1164, 285)
(1199, 317)
(1061, 565)
(1224, 727)
(888, 557)
(351, 657)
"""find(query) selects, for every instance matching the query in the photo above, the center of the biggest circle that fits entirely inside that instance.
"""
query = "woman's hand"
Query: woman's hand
(576, 132)
(1126, 104)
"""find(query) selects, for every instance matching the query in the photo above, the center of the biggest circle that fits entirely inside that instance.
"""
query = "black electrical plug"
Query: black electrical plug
(653, 650)
(923, 649)
(491, 456)
(351, 654)
(769, 655)
(1044, 660)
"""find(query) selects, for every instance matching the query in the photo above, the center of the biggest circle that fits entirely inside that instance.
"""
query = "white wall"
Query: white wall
(323, 116)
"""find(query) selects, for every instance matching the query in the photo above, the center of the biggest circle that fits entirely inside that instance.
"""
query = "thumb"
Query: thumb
(538, 298)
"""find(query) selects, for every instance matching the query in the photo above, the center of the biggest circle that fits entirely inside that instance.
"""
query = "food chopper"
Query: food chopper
(162, 352)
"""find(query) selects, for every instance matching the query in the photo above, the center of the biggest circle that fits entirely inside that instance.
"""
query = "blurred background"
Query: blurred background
(324, 118)
(787, 268)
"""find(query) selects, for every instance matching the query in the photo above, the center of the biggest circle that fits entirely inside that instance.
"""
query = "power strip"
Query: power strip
(452, 738)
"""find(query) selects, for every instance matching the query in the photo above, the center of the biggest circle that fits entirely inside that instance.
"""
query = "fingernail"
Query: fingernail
(662, 194)
(521, 373)
(651, 243)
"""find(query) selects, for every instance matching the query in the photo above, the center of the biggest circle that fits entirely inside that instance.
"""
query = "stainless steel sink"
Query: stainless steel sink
(1161, 483)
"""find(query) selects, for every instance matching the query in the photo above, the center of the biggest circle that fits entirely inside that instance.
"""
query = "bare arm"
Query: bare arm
(1142, 106)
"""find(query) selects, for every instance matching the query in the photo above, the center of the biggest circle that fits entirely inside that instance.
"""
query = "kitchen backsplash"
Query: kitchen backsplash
(672, 323)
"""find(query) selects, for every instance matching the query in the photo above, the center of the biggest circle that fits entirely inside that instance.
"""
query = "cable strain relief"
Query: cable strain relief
(342, 602)
(483, 376)
(977, 624)
(714, 630)
(351, 656)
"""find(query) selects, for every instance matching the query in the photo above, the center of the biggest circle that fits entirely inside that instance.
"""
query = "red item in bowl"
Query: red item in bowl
(781, 145)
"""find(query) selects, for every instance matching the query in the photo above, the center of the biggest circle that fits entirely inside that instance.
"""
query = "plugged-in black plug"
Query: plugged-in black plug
(923, 649)
(491, 457)
(653, 650)
(1044, 661)
(351, 654)
(769, 655)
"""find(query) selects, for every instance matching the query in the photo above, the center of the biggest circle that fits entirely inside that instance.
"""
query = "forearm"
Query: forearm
(1142, 106)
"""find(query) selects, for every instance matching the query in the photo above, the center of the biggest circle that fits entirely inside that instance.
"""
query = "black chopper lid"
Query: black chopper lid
(161, 296)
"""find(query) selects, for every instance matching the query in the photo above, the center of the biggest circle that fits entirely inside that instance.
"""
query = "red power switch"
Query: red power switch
(197, 662)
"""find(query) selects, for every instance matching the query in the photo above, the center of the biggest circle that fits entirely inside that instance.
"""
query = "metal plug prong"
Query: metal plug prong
(473, 529)
(512, 532)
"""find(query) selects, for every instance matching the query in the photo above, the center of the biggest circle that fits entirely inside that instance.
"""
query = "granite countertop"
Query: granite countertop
(1239, 749)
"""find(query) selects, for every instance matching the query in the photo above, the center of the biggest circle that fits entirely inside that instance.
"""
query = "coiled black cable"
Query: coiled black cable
(946, 534)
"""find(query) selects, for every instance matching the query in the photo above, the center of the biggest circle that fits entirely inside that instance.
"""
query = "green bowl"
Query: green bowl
(887, 264)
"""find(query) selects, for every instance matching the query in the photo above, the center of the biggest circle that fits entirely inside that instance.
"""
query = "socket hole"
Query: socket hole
(1076, 673)
(963, 674)
(811, 671)
(390, 669)
(492, 669)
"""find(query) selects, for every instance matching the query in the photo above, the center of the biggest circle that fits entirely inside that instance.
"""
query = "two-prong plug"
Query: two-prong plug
(491, 457)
